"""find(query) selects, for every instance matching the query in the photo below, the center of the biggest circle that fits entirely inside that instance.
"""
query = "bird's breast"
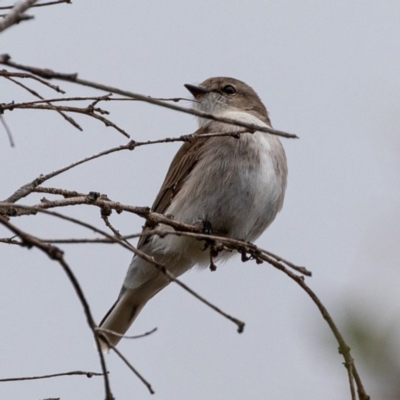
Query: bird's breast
(237, 185)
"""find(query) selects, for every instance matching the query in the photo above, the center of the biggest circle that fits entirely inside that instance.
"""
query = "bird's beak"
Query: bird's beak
(196, 90)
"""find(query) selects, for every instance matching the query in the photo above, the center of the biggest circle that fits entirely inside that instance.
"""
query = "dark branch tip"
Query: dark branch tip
(55, 253)
(106, 211)
(131, 145)
(93, 196)
(5, 58)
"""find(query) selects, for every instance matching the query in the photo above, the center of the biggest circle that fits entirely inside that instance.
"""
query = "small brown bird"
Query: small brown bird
(237, 185)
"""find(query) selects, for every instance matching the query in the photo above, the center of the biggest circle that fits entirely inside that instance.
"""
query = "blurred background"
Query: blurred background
(327, 71)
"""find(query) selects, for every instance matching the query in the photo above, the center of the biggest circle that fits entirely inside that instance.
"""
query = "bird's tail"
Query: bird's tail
(125, 310)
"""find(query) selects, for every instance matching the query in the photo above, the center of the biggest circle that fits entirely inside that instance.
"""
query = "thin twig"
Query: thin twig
(31, 378)
(62, 192)
(297, 268)
(50, 3)
(351, 381)
(55, 108)
(8, 131)
(82, 240)
(56, 254)
(154, 219)
(172, 278)
(104, 217)
(102, 202)
(21, 17)
(112, 333)
(344, 349)
(11, 241)
(5, 59)
(29, 187)
(14, 15)
(90, 111)
(130, 366)
(78, 98)
(7, 74)
(136, 251)
(360, 388)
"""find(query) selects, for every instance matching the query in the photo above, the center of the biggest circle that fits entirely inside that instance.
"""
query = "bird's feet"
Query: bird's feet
(206, 228)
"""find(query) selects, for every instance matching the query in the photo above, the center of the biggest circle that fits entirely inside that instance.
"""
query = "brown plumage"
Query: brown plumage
(235, 184)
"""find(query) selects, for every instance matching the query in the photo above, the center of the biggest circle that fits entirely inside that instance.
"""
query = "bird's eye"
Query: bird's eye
(229, 89)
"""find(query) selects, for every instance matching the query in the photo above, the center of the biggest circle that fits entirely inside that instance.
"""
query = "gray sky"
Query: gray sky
(328, 71)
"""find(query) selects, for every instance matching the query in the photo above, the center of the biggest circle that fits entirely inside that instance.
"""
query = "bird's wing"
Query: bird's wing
(182, 164)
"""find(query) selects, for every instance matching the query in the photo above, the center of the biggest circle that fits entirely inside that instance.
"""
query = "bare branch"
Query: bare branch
(93, 112)
(55, 108)
(31, 378)
(11, 241)
(227, 244)
(136, 251)
(65, 193)
(172, 277)
(154, 219)
(56, 254)
(73, 198)
(95, 99)
(21, 17)
(112, 333)
(351, 381)
(297, 268)
(50, 3)
(14, 15)
(29, 187)
(130, 366)
(344, 349)
(8, 74)
(84, 240)
(8, 131)
(5, 59)
(105, 212)
(102, 201)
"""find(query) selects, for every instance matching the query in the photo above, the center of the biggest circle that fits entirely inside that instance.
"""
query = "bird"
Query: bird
(234, 184)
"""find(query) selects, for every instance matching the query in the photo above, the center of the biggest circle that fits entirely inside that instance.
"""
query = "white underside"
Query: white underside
(236, 186)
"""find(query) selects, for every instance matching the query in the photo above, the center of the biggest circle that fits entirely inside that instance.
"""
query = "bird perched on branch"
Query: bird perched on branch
(234, 184)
